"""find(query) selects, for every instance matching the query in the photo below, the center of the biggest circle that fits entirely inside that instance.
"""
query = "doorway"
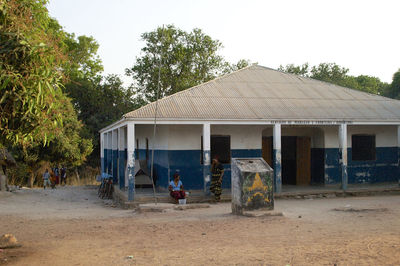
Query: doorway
(296, 158)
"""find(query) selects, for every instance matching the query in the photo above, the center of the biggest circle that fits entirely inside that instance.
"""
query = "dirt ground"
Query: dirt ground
(71, 226)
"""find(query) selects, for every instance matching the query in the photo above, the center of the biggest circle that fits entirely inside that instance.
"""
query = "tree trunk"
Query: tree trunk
(31, 180)
(77, 176)
(3, 182)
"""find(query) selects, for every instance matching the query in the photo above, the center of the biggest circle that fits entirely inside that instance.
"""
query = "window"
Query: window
(221, 147)
(363, 147)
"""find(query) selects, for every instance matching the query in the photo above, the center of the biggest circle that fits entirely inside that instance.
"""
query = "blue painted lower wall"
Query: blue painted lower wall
(187, 162)
(115, 166)
(122, 155)
(317, 166)
(109, 161)
(383, 169)
(102, 164)
(325, 168)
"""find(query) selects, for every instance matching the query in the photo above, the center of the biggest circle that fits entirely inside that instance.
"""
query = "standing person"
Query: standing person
(46, 179)
(217, 172)
(57, 175)
(63, 175)
(176, 188)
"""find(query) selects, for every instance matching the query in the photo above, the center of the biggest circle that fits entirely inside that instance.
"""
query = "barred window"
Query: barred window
(221, 147)
(363, 148)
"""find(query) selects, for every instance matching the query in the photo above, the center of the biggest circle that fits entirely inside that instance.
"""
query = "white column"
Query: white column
(109, 153)
(130, 137)
(106, 153)
(277, 158)
(102, 152)
(121, 177)
(206, 156)
(114, 161)
(343, 154)
(398, 151)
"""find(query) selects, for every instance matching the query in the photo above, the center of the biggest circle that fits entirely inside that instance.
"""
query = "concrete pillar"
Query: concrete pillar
(277, 158)
(114, 162)
(105, 152)
(398, 145)
(398, 153)
(343, 154)
(109, 152)
(121, 157)
(102, 152)
(206, 157)
(130, 139)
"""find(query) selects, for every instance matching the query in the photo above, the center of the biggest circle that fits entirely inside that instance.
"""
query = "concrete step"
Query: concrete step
(199, 197)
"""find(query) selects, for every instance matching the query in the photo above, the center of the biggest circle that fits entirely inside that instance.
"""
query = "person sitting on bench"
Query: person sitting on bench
(176, 188)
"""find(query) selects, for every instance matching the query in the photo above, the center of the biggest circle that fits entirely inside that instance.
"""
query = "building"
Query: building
(309, 131)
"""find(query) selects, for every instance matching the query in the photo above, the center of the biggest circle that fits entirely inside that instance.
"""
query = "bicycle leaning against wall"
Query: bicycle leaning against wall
(106, 187)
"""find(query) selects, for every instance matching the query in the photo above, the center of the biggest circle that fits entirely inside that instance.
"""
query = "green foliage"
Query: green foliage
(302, 70)
(100, 102)
(330, 72)
(188, 59)
(29, 74)
(393, 90)
(83, 61)
(37, 120)
(333, 73)
(242, 63)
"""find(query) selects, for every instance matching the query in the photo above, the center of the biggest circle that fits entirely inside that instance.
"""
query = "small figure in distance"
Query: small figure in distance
(63, 175)
(46, 179)
(176, 188)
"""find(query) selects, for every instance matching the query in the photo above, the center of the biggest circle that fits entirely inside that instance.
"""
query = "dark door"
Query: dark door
(267, 150)
(289, 165)
(303, 155)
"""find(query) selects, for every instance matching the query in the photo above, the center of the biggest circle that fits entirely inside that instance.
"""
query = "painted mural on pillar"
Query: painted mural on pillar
(257, 190)
(252, 185)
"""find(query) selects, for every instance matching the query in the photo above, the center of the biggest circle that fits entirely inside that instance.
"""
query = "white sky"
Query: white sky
(363, 36)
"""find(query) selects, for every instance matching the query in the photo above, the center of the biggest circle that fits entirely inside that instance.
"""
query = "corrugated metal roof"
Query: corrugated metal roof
(258, 92)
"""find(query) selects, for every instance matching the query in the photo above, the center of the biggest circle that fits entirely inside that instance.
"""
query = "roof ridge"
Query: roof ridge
(271, 81)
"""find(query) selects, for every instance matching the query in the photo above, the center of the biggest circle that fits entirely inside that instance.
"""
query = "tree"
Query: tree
(29, 73)
(393, 90)
(335, 74)
(371, 84)
(302, 70)
(37, 120)
(83, 61)
(100, 102)
(242, 63)
(188, 59)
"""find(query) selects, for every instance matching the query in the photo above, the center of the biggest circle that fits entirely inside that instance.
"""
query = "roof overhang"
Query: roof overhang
(162, 121)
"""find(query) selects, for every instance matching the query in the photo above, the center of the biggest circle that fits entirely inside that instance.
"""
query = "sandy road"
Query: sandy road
(71, 226)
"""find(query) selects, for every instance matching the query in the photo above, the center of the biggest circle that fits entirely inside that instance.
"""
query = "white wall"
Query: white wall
(242, 137)
(185, 137)
(122, 138)
(115, 139)
(146, 131)
(386, 136)
(188, 137)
